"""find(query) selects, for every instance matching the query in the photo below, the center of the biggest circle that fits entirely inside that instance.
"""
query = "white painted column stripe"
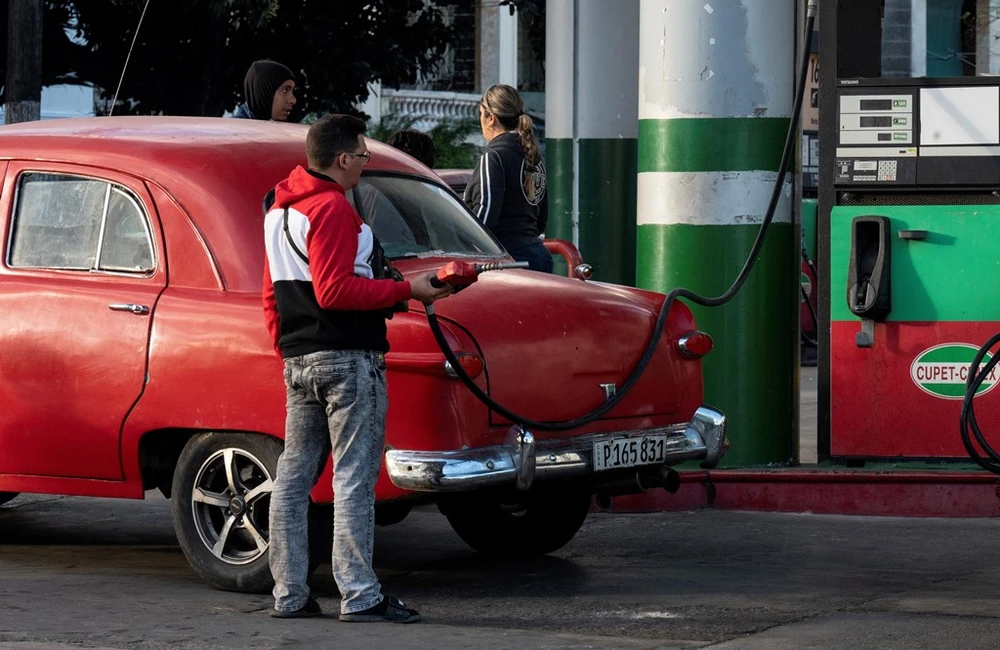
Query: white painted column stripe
(709, 198)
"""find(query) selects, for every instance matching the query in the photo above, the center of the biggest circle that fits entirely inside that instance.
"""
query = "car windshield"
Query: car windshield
(410, 216)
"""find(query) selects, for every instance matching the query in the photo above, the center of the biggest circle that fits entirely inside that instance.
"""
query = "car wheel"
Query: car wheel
(221, 496)
(518, 524)
(7, 496)
(390, 514)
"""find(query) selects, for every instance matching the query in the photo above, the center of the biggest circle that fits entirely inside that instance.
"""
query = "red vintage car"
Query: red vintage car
(133, 352)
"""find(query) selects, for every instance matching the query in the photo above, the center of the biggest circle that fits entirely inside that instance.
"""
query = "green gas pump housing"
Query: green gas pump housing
(909, 247)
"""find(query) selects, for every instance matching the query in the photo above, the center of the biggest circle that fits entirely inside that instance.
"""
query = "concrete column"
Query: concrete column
(507, 36)
(607, 128)
(715, 96)
(487, 45)
(592, 70)
(496, 53)
(560, 118)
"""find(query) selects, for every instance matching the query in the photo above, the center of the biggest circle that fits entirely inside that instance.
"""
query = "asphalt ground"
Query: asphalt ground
(96, 573)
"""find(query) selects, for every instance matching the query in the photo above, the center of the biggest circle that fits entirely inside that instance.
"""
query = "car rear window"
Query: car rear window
(412, 217)
(77, 223)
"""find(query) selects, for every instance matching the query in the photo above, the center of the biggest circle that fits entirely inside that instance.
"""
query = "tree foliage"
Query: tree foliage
(191, 55)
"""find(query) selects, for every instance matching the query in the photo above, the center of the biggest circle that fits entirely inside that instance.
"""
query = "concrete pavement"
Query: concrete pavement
(81, 573)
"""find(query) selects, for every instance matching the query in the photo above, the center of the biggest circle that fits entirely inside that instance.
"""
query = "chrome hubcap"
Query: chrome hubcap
(230, 502)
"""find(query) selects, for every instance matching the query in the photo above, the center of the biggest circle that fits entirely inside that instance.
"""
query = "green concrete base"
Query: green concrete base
(752, 373)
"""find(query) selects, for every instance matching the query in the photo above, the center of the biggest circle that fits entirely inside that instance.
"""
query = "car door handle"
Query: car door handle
(135, 309)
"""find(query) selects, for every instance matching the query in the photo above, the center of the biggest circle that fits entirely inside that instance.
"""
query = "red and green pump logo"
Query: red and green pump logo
(941, 371)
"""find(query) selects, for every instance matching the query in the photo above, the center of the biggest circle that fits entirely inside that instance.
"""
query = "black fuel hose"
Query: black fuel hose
(680, 292)
(967, 420)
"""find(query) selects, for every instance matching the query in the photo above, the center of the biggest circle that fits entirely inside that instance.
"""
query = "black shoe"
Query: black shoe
(390, 610)
(310, 610)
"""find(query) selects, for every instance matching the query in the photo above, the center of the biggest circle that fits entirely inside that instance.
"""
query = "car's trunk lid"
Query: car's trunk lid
(555, 348)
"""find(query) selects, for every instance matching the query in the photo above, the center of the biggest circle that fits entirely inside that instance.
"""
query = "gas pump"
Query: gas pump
(909, 220)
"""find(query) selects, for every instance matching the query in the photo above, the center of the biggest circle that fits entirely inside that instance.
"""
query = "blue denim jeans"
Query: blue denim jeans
(336, 400)
(535, 254)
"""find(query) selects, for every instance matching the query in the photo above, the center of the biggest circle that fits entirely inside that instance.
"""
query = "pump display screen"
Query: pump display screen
(876, 105)
(917, 132)
(870, 121)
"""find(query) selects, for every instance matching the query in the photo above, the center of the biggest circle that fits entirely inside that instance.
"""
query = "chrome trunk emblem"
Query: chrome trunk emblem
(609, 390)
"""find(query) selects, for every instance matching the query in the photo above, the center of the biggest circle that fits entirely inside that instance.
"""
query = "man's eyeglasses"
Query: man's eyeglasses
(365, 155)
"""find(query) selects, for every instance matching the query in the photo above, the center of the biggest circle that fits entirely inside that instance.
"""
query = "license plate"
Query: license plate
(629, 452)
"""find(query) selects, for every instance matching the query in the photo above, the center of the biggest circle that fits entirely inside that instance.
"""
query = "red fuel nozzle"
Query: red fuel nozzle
(456, 274)
(462, 274)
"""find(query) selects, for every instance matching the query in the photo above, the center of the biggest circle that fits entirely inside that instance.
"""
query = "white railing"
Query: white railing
(429, 107)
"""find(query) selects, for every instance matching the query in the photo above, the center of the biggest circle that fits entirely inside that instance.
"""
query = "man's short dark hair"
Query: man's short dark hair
(417, 144)
(330, 136)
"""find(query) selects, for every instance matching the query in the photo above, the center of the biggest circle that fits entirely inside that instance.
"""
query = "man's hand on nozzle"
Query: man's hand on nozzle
(421, 289)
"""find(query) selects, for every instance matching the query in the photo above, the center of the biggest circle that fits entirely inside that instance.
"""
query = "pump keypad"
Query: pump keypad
(887, 170)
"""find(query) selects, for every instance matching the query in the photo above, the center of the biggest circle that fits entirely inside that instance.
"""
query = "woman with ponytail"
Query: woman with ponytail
(507, 188)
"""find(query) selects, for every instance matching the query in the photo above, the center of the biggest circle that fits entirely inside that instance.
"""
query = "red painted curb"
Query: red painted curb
(897, 493)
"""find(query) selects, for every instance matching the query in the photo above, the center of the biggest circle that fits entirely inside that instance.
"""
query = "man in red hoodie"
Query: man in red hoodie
(325, 307)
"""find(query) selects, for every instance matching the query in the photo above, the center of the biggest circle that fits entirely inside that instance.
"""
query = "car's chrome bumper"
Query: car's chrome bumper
(522, 459)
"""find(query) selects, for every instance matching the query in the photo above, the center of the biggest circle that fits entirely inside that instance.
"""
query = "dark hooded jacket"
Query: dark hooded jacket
(261, 82)
(496, 193)
(320, 291)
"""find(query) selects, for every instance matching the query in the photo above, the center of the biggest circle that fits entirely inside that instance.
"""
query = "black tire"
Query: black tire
(7, 496)
(236, 509)
(518, 524)
(390, 514)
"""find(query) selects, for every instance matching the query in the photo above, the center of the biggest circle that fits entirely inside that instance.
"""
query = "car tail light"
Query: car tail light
(472, 364)
(695, 344)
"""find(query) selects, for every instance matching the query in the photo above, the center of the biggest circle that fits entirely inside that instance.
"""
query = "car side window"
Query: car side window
(82, 224)
(384, 217)
(127, 245)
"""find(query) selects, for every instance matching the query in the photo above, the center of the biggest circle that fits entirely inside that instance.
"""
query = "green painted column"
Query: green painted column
(592, 61)
(715, 95)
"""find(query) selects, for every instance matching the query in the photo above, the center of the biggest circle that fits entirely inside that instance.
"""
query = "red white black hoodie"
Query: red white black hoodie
(332, 301)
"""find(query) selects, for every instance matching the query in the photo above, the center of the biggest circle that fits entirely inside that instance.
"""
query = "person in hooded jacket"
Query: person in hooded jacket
(507, 188)
(269, 89)
(325, 299)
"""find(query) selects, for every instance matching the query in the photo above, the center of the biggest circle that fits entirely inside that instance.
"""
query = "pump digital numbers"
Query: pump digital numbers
(875, 121)
(629, 452)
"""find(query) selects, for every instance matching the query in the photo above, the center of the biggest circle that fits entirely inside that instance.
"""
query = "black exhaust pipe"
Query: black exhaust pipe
(642, 481)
